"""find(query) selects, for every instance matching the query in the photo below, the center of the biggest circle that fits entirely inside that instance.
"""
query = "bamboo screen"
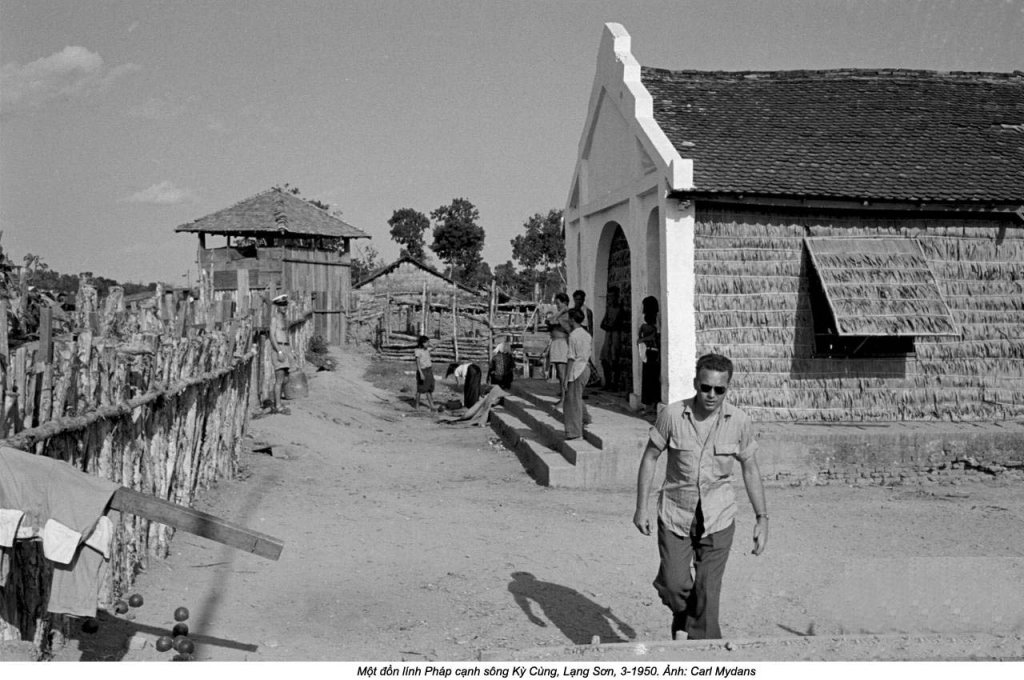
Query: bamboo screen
(880, 287)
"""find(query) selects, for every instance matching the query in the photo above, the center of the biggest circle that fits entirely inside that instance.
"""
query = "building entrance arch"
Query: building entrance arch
(613, 269)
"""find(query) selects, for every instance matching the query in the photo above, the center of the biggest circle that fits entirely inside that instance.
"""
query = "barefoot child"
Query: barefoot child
(424, 372)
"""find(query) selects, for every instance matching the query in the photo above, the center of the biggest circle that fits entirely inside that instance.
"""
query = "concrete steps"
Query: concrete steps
(546, 466)
(605, 457)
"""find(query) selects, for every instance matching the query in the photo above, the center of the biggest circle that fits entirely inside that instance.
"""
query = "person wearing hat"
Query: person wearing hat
(280, 350)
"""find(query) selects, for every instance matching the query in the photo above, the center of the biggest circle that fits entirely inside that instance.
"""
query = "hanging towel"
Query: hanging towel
(66, 508)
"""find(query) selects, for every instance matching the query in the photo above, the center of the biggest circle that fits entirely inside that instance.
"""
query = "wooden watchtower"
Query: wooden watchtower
(276, 240)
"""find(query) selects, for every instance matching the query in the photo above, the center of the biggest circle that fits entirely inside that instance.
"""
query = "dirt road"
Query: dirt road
(411, 540)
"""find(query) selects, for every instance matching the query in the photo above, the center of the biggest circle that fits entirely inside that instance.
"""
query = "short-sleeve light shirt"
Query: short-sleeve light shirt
(581, 347)
(278, 328)
(423, 359)
(700, 474)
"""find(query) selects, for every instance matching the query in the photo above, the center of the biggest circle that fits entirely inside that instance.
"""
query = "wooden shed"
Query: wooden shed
(408, 297)
(853, 239)
(276, 240)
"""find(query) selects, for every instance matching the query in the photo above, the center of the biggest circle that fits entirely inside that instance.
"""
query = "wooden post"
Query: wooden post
(242, 293)
(455, 324)
(46, 359)
(423, 311)
(536, 306)
(490, 319)
(32, 380)
(4, 346)
(4, 363)
(20, 390)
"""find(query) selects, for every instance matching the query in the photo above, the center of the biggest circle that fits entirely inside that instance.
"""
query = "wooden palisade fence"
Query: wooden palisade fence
(155, 399)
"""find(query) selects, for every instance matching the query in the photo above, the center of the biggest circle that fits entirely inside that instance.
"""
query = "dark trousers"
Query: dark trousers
(574, 411)
(693, 598)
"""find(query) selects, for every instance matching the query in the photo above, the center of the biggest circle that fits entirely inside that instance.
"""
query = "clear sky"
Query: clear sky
(122, 120)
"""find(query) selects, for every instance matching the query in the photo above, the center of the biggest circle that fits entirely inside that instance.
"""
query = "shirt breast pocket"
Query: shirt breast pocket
(684, 462)
(725, 454)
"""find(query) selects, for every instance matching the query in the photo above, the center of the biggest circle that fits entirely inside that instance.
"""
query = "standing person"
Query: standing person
(649, 341)
(502, 367)
(579, 299)
(280, 350)
(697, 506)
(612, 324)
(581, 346)
(558, 327)
(424, 372)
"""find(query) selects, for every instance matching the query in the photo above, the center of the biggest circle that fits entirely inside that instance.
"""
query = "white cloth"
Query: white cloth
(10, 522)
(581, 346)
(65, 507)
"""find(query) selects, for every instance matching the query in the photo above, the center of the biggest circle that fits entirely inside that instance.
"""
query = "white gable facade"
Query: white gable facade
(625, 169)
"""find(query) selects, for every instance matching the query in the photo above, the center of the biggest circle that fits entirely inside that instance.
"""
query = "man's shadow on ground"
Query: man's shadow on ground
(577, 616)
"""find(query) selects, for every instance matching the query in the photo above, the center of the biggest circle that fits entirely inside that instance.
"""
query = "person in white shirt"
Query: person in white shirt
(577, 372)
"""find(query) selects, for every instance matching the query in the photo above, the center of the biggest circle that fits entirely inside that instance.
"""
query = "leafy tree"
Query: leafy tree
(512, 282)
(480, 277)
(541, 251)
(407, 230)
(364, 262)
(507, 278)
(458, 239)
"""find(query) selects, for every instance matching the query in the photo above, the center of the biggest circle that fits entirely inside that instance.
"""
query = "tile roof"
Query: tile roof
(848, 134)
(273, 211)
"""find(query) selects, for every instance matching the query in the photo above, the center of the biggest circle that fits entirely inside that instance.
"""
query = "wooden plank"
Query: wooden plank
(4, 364)
(46, 334)
(242, 296)
(196, 522)
(4, 345)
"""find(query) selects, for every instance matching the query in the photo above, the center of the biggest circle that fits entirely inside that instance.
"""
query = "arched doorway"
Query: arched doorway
(620, 276)
(654, 255)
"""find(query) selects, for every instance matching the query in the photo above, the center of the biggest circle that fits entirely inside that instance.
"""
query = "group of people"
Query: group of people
(500, 372)
(703, 435)
(615, 324)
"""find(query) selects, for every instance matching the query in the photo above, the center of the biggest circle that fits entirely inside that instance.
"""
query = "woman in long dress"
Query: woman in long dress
(649, 340)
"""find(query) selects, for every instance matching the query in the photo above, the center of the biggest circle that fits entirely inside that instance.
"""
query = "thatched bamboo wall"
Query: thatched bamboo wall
(753, 305)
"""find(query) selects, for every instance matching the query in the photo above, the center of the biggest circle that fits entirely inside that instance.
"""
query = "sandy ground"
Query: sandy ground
(406, 539)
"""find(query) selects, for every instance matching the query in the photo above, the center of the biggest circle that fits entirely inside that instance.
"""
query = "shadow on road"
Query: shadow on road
(577, 616)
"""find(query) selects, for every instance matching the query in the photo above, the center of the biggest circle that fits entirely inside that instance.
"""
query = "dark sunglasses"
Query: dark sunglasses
(718, 390)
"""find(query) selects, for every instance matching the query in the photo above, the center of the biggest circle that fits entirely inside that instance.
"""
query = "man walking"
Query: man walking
(577, 372)
(704, 435)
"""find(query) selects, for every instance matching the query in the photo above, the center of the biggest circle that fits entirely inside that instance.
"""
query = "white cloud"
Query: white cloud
(72, 72)
(156, 108)
(163, 193)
